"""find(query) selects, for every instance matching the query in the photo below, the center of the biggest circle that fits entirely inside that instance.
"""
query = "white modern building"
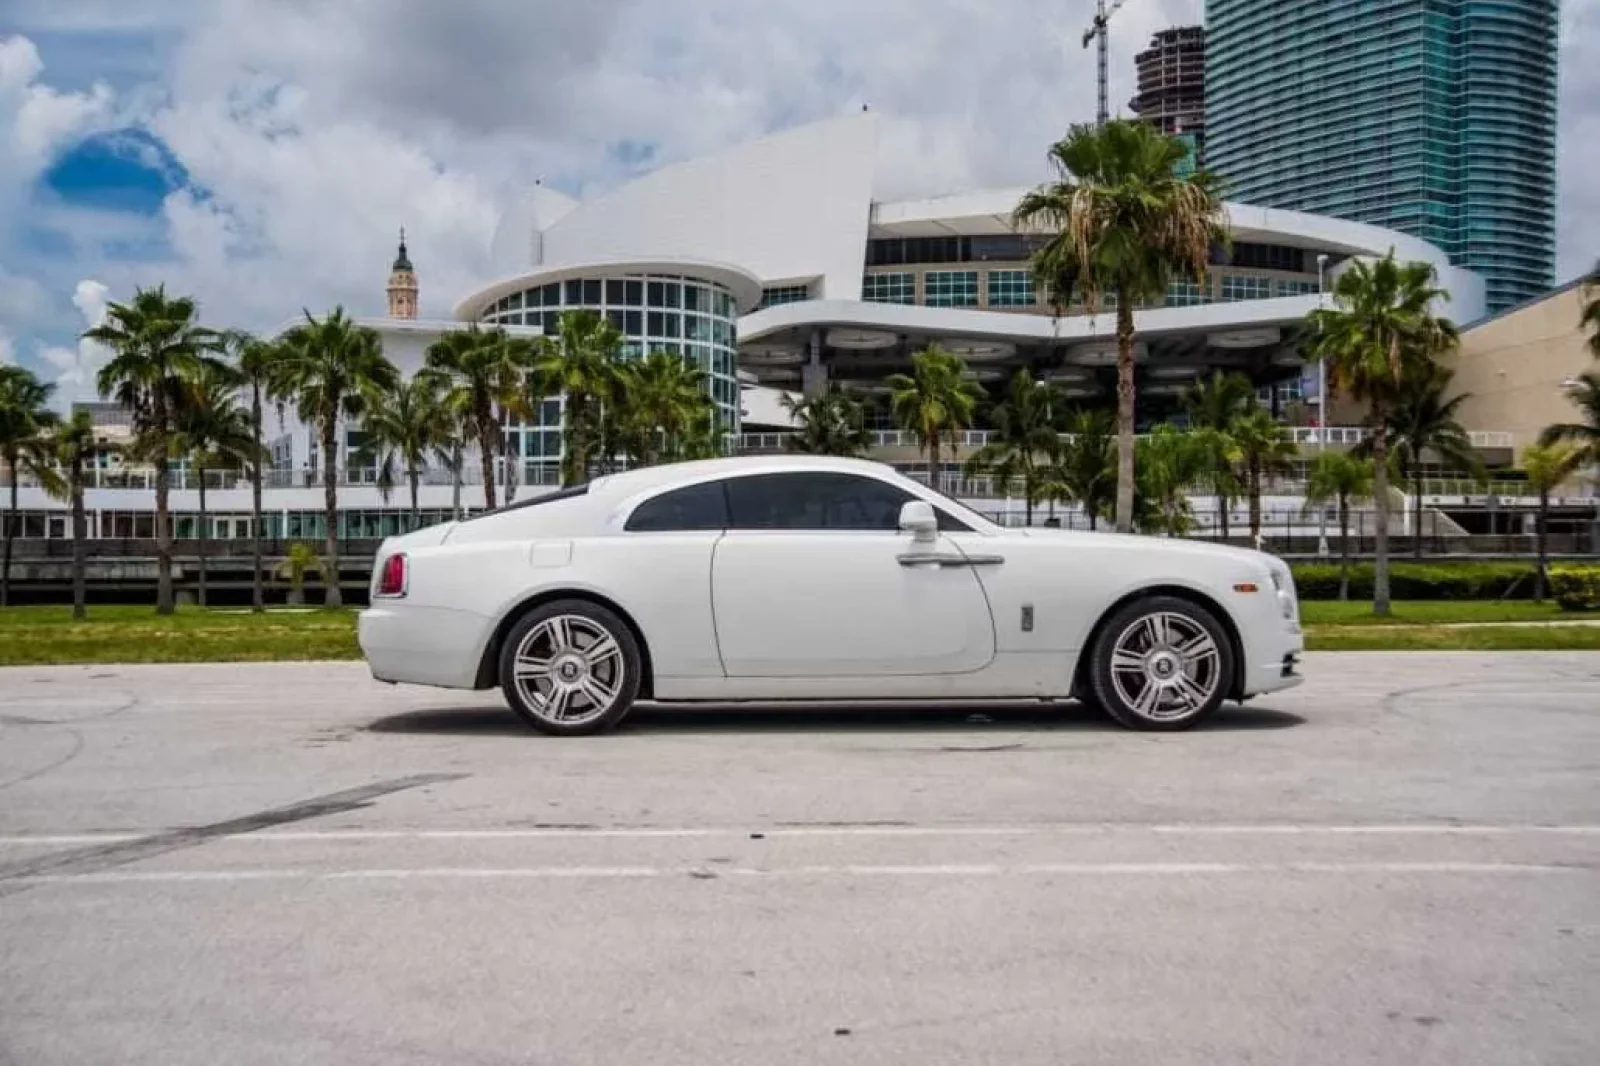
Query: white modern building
(772, 267)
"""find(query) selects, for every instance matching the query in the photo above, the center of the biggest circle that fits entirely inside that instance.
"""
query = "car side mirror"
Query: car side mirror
(918, 519)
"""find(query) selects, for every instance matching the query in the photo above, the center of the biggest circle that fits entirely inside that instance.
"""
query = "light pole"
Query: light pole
(1322, 406)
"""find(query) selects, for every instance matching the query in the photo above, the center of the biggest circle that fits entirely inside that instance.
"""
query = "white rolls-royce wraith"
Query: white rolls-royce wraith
(814, 578)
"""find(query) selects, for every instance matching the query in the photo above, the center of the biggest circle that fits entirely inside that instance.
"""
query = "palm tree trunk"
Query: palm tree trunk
(80, 543)
(163, 524)
(11, 532)
(1344, 547)
(1416, 492)
(257, 595)
(933, 464)
(455, 480)
(1124, 413)
(486, 454)
(1255, 502)
(1222, 511)
(1380, 502)
(413, 478)
(1543, 545)
(330, 506)
(200, 546)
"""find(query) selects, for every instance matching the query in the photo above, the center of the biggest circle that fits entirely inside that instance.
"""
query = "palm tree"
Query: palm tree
(1124, 224)
(157, 346)
(25, 419)
(1021, 440)
(1345, 479)
(580, 362)
(1085, 463)
(1215, 404)
(935, 402)
(1547, 466)
(1170, 460)
(1421, 421)
(658, 399)
(1264, 448)
(74, 446)
(404, 425)
(1585, 393)
(1380, 329)
(829, 423)
(258, 365)
(300, 561)
(484, 376)
(214, 431)
(331, 367)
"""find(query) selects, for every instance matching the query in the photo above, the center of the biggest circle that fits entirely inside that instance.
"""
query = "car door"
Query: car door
(813, 579)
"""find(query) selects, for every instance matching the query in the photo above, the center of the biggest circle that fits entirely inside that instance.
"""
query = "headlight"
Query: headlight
(1283, 585)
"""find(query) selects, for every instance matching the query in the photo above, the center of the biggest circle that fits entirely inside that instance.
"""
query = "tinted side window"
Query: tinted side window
(817, 501)
(703, 506)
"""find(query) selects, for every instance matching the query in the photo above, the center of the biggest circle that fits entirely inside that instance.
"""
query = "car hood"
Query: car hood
(1139, 542)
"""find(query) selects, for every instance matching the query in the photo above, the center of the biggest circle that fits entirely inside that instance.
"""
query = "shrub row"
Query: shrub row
(1576, 588)
(1422, 581)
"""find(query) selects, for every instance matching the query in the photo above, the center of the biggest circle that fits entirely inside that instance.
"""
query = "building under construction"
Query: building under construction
(1172, 86)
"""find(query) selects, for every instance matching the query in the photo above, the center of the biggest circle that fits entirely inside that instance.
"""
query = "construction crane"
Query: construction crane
(1097, 31)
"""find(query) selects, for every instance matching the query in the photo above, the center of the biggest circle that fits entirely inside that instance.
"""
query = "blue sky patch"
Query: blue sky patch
(123, 170)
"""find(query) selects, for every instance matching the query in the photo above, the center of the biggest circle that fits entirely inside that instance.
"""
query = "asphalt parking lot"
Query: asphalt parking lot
(1397, 863)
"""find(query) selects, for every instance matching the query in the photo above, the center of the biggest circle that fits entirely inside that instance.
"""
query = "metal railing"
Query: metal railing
(1303, 436)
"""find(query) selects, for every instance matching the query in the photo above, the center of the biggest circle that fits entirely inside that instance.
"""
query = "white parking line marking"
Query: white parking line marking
(1043, 829)
(1130, 869)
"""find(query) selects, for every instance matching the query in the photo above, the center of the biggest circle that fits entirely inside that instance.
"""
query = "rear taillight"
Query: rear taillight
(392, 578)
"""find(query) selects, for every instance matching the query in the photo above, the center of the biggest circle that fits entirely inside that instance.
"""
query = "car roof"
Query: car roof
(629, 482)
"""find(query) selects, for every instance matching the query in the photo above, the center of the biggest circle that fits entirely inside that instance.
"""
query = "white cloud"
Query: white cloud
(8, 349)
(36, 120)
(77, 368)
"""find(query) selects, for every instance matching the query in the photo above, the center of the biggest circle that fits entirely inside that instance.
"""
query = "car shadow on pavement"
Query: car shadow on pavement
(769, 718)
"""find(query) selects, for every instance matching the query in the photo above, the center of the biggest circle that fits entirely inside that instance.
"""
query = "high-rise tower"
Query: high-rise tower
(1433, 117)
(402, 284)
(1172, 87)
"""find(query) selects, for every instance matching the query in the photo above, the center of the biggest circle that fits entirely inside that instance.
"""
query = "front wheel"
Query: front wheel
(570, 668)
(1161, 664)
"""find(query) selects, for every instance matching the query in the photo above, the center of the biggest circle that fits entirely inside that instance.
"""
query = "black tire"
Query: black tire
(1177, 703)
(597, 687)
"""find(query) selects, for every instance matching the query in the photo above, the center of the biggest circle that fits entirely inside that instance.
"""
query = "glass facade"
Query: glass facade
(1245, 287)
(950, 288)
(1010, 288)
(784, 294)
(1433, 117)
(1188, 293)
(683, 316)
(889, 288)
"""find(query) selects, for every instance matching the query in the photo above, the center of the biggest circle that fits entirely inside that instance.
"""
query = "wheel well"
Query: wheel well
(1199, 599)
(489, 664)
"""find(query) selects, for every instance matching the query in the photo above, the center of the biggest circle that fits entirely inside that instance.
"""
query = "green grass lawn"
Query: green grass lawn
(117, 634)
(1435, 612)
(48, 635)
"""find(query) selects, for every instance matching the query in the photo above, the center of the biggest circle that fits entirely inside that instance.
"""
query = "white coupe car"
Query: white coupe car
(814, 578)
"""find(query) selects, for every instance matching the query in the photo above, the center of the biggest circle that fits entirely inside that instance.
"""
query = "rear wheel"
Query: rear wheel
(1161, 664)
(570, 668)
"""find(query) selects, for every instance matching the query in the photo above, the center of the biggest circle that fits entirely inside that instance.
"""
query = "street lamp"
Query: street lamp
(1322, 405)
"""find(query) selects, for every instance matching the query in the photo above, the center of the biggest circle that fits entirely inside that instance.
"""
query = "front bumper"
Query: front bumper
(1272, 662)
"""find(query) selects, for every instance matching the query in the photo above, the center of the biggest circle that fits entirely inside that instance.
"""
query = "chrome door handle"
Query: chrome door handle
(942, 559)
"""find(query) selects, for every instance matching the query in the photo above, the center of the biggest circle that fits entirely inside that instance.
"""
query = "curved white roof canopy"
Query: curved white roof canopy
(745, 286)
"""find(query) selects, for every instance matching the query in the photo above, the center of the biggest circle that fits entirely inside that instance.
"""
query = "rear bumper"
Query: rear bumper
(416, 645)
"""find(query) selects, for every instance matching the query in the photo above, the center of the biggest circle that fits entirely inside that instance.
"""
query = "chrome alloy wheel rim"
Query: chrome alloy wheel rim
(569, 669)
(1165, 666)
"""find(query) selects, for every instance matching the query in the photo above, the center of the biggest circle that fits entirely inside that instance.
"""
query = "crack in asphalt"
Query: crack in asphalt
(104, 856)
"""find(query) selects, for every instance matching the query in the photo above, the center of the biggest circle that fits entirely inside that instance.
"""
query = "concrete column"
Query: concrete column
(814, 376)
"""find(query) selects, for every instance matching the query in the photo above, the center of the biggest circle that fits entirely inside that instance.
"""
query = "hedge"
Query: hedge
(1576, 588)
(1420, 581)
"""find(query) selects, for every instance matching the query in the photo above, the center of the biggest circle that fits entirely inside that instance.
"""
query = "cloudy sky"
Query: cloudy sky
(261, 154)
